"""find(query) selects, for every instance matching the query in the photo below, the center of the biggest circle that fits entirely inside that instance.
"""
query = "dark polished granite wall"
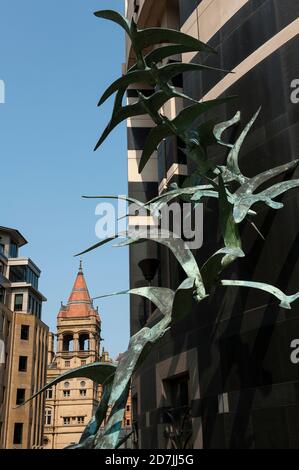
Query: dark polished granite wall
(242, 336)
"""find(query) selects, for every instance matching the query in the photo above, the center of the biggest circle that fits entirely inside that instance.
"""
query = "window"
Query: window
(67, 363)
(17, 274)
(83, 393)
(18, 302)
(18, 433)
(23, 274)
(23, 363)
(31, 278)
(128, 407)
(178, 400)
(128, 422)
(25, 332)
(136, 6)
(177, 391)
(82, 384)
(31, 304)
(66, 393)
(2, 295)
(13, 250)
(34, 306)
(83, 362)
(49, 393)
(39, 310)
(48, 417)
(66, 421)
(20, 396)
(66, 384)
(80, 419)
(2, 248)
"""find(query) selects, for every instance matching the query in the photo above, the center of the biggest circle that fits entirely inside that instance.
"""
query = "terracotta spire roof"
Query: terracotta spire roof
(79, 303)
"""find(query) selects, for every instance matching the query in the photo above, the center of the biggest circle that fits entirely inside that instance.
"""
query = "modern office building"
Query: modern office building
(23, 343)
(227, 367)
(71, 403)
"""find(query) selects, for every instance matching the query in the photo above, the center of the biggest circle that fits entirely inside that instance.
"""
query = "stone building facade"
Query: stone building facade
(23, 346)
(71, 404)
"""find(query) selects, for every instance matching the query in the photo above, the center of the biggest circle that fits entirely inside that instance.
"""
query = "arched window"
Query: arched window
(68, 342)
(48, 417)
(84, 342)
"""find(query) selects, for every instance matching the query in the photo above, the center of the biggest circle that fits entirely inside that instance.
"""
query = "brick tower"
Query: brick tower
(70, 404)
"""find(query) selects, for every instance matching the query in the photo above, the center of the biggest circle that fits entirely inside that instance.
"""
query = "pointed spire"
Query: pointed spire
(79, 304)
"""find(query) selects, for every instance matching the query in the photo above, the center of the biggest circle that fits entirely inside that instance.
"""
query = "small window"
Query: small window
(66, 421)
(48, 417)
(13, 250)
(20, 396)
(49, 393)
(83, 393)
(83, 362)
(25, 332)
(128, 422)
(128, 407)
(177, 391)
(18, 302)
(22, 363)
(82, 384)
(66, 385)
(80, 419)
(66, 393)
(67, 363)
(18, 433)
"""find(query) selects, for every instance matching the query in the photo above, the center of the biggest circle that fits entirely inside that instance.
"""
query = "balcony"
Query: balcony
(83, 354)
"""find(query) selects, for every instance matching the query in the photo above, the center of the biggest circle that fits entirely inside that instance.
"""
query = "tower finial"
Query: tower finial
(80, 267)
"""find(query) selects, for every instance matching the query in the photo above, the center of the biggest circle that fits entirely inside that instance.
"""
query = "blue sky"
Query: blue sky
(56, 59)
